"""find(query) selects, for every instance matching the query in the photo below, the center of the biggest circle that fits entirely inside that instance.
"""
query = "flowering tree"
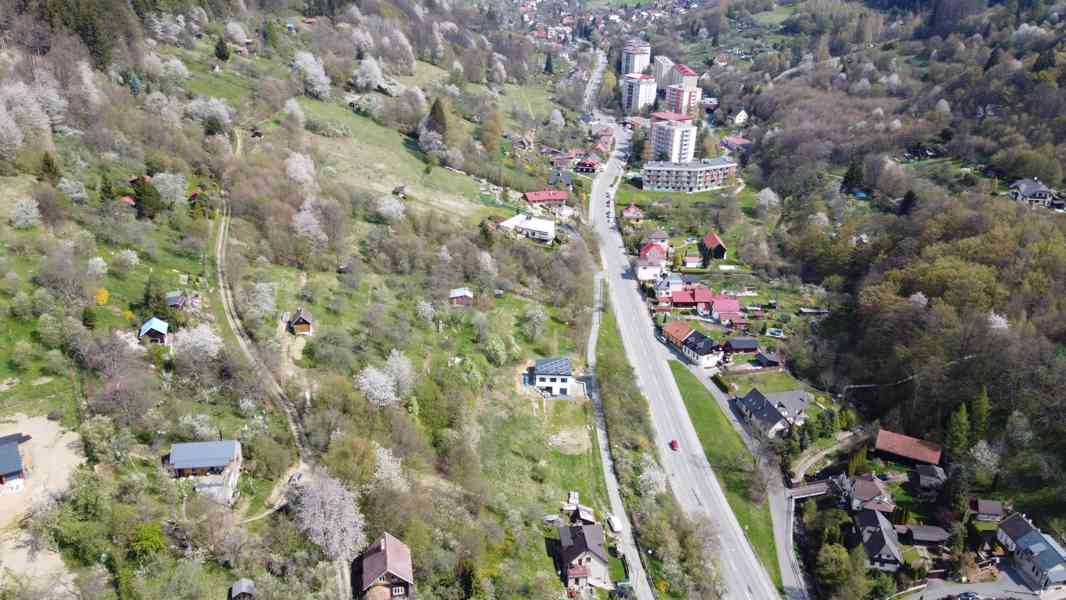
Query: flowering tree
(292, 108)
(535, 317)
(73, 189)
(399, 368)
(328, 514)
(486, 263)
(260, 300)
(125, 261)
(312, 76)
(97, 267)
(199, 341)
(378, 386)
(368, 77)
(25, 215)
(305, 223)
(301, 170)
(10, 135)
(389, 470)
(425, 311)
(389, 208)
(171, 187)
(235, 33)
(175, 70)
(203, 109)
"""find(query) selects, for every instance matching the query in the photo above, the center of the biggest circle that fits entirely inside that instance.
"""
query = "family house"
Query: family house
(300, 323)
(863, 492)
(461, 297)
(154, 331)
(675, 332)
(554, 376)
(660, 239)
(712, 248)
(768, 358)
(11, 468)
(695, 296)
(988, 511)
(725, 309)
(548, 199)
(583, 555)
(384, 571)
(929, 479)
(1039, 558)
(701, 350)
(633, 213)
(649, 269)
(541, 230)
(772, 414)
(1032, 191)
(736, 143)
(213, 466)
(692, 260)
(879, 540)
(923, 535)
(898, 446)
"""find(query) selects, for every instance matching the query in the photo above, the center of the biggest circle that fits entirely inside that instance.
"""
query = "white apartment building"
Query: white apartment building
(698, 176)
(638, 92)
(661, 68)
(683, 75)
(681, 99)
(673, 141)
(636, 56)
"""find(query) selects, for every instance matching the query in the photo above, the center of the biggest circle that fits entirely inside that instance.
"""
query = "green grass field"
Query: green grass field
(730, 459)
(766, 382)
(776, 16)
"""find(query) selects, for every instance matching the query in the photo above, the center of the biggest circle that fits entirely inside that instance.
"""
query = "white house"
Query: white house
(541, 230)
(649, 269)
(554, 376)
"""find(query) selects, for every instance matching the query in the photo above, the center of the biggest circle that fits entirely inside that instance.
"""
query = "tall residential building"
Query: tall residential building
(683, 99)
(638, 92)
(636, 56)
(661, 66)
(683, 75)
(698, 176)
(673, 141)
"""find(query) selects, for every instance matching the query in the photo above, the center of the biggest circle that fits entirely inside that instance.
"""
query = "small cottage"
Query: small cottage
(301, 323)
(154, 331)
(384, 571)
(712, 247)
(461, 297)
(177, 299)
(214, 467)
(11, 469)
(583, 554)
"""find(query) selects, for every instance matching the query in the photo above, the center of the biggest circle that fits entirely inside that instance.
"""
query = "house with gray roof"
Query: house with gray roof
(213, 467)
(1033, 192)
(929, 480)
(1039, 558)
(583, 554)
(11, 467)
(154, 331)
(774, 413)
(554, 376)
(384, 571)
(879, 540)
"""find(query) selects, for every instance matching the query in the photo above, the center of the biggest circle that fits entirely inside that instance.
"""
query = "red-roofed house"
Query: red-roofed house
(653, 251)
(548, 198)
(696, 297)
(725, 309)
(633, 214)
(711, 247)
(384, 571)
(676, 332)
(907, 447)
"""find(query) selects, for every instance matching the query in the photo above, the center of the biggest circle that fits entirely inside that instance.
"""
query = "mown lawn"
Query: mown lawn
(766, 382)
(731, 461)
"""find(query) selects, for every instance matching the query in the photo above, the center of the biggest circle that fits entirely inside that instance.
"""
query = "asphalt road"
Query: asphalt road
(693, 482)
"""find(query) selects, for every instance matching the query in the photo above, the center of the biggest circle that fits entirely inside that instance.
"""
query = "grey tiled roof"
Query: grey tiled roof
(202, 455)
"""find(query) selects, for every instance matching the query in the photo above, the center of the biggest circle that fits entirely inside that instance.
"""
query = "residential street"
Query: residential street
(691, 477)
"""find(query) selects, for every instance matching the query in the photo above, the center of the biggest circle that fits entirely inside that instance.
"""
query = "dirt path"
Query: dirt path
(49, 457)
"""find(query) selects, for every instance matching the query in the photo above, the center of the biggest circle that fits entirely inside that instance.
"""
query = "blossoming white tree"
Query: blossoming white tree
(378, 386)
(328, 514)
(311, 75)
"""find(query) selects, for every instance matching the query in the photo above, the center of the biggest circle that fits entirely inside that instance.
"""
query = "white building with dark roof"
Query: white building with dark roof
(636, 56)
(554, 376)
(638, 92)
(696, 176)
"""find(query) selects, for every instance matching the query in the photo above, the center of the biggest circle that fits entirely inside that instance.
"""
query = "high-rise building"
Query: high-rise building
(636, 56)
(638, 92)
(683, 75)
(682, 99)
(673, 140)
(661, 66)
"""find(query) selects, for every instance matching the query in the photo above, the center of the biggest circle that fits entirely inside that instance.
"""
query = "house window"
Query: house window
(399, 590)
(562, 391)
(542, 379)
(552, 380)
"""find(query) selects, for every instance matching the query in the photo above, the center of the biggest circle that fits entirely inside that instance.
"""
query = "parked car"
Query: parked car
(674, 445)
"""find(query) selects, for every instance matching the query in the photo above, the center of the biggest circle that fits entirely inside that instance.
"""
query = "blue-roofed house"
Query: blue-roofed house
(554, 376)
(11, 469)
(154, 331)
(213, 466)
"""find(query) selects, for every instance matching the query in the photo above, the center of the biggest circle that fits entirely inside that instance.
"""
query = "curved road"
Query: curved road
(693, 482)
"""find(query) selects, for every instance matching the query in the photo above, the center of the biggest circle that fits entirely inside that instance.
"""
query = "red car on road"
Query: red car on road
(674, 445)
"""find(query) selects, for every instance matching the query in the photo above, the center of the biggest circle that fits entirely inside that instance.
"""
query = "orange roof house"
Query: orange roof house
(905, 446)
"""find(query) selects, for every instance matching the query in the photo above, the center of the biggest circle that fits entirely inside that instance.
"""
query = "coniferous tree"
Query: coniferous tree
(221, 49)
(957, 440)
(979, 409)
(910, 200)
(438, 118)
(853, 176)
(548, 67)
(50, 169)
(149, 201)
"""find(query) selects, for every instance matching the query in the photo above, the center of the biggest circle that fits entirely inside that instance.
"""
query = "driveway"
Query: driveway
(1009, 585)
